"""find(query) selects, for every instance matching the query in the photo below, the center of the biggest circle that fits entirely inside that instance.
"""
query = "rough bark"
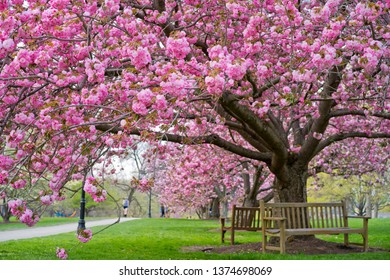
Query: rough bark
(215, 213)
(294, 189)
(5, 213)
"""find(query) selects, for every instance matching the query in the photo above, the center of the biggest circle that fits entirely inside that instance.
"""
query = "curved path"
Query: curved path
(52, 230)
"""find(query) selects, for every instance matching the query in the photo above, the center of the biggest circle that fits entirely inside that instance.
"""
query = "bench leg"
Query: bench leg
(282, 243)
(365, 242)
(282, 246)
(223, 236)
(232, 238)
(346, 239)
(365, 235)
(264, 243)
(283, 238)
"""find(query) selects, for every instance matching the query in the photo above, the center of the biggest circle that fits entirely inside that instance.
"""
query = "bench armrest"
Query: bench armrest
(359, 217)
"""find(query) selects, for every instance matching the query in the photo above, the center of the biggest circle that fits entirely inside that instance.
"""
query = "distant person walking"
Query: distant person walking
(125, 207)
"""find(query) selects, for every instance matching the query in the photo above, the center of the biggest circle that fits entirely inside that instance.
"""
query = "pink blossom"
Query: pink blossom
(99, 195)
(59, 4)
(236, 71)
(123, 123)
(215, 85)
(6, 162)
(109, 142)
(84, 235)
(295, 149)
(47, 199)
(17, 2)
(61, 253)
(90, 185)
(8, 44)
(145, 96)
(19, 184)
(178, 47)
(317, 135)
(140, 58)
(16, 210)
(139, 108)
(160, 103)
(143, 184)
(29, 218)
(91, 188)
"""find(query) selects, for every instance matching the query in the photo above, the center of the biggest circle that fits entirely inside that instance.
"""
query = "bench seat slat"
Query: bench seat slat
(311, 231)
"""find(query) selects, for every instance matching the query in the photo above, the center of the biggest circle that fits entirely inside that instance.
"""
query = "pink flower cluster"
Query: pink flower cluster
(61, 253)
(140, 58)
(47, 199)
(21, 212)
(178, 47)
(29, 217)
(84, 235)
(17, 207)
(262, 108)
(143, 184)
(19, 184)
(139, 108)
(6, 162)
(7, 44)
(3, 177)
(215, 85)
(91, 188)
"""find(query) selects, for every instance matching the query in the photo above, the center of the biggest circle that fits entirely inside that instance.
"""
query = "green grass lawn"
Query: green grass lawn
(163, 239)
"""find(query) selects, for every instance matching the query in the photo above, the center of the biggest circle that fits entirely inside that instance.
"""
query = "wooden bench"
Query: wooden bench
(243, 219)
(283, 220)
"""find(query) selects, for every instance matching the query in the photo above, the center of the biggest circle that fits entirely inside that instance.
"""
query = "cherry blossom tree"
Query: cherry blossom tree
(359, 174)
(194, 177)
(274, 81)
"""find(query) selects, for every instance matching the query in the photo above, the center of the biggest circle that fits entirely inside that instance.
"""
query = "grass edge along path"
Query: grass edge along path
(163, 239)
(45, 222)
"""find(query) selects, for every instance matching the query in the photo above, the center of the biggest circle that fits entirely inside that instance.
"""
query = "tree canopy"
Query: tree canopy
(274, 81)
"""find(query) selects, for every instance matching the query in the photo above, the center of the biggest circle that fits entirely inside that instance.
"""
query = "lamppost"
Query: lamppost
(150, 204)
(81, 225)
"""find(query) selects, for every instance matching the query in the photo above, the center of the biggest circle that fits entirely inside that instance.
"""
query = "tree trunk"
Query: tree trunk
(5, 213)
(251, 202)
(6, 218)
(375, 210)
(215, 214)
(293, 190)
(224, 208)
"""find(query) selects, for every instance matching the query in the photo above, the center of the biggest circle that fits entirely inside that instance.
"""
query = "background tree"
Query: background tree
(209, 179)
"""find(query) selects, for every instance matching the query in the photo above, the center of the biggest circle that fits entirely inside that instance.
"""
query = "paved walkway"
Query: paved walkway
(52, 230)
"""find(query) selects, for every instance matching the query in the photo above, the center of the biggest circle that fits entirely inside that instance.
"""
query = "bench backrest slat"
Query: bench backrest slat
(246, 217)
(308, 215)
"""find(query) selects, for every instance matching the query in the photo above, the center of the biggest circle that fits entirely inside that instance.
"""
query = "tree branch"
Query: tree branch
(194, 140)
(347, 112)
(279, 158)
(321, 123)
(265, 87)
(342, 136)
